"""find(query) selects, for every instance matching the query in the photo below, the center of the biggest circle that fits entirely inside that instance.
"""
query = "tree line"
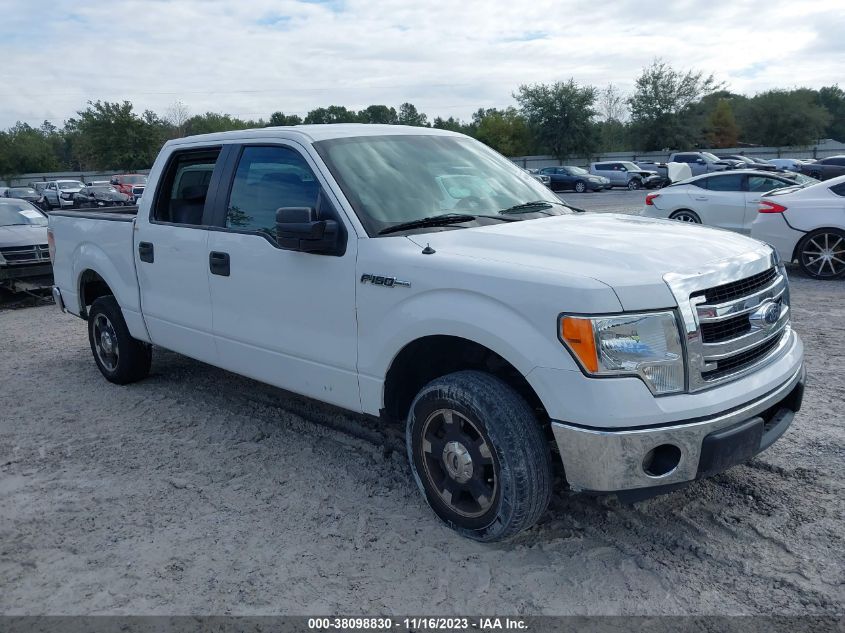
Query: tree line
(667, 109)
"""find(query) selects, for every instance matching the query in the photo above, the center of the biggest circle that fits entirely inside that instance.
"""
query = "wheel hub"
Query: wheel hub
(457, 461)
(107, 342)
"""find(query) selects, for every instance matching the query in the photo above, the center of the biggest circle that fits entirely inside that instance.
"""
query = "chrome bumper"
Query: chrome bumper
(57, 297)
(612, 461)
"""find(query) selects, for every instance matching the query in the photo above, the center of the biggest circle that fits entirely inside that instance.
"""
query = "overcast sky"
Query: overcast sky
(251, 57)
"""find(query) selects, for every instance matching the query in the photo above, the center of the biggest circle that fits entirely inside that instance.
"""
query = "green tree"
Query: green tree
(112, 135)
(784, 117)
(560, 116)
(724, 132)
(832, 99)
(280, 118)
(213, 122)
(332, 114)
(455, 125)
(408, 115)
(661, 95)
(506, 131)
(379, 114)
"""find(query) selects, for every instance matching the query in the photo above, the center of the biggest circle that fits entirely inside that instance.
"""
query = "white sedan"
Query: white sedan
(808, 225)
(725, 199)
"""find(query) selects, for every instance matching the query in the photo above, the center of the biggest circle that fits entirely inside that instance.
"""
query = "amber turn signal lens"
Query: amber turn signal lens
(578, 336)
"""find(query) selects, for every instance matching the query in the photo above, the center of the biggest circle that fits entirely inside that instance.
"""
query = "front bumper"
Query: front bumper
(617, 460)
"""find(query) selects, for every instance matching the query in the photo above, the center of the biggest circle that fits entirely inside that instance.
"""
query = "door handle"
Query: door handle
(701, 197)
(218, 263)
(146, 252)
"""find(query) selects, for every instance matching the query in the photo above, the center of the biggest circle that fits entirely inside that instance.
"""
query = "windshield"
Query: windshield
(14, 193)
(391, 180)
(631, 166)
(577, 171)
(801, 179)
(13, 213)
(70, 184)
(710, 157)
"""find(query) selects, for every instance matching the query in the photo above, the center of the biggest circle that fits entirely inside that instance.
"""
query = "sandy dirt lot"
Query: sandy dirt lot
(197, 491)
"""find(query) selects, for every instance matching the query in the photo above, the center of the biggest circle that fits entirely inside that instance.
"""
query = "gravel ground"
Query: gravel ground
(197, 492)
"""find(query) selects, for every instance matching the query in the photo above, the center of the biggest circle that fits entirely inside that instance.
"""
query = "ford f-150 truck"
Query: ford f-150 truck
(416, 275)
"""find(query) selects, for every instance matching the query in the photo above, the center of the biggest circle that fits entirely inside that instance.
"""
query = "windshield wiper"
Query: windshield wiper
(535, 206)
(440, 220)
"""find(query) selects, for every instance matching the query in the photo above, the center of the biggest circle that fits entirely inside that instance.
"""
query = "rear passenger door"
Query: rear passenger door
(280, 316)
(171, 254)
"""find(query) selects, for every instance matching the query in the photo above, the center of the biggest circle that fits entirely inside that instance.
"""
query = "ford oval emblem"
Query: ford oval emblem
(766, 315)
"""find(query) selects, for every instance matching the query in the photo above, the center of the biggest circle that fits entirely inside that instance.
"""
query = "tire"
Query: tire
(685, 215)
(120, 358)
(497, 448)
(580, 187)
(821, 254)
(47, 205)
(634, 184)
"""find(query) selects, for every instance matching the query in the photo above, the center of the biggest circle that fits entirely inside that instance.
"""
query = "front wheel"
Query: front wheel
(634, 184)
(120, 358)
(479, 455)
(821, 254)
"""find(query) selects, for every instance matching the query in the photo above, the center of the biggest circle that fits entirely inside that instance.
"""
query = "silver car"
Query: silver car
(624, 173)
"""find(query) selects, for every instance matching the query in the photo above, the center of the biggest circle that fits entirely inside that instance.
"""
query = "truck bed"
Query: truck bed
(115, 214)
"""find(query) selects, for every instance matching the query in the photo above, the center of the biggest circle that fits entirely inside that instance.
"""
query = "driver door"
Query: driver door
(280, 316)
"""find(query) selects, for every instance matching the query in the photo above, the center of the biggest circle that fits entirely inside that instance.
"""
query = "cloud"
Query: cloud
(254, 57)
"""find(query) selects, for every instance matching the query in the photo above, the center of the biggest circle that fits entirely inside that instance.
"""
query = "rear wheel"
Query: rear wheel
(821, 254)
(120, 358)
(580, 187)
(478, 455)
(47, 205)
(685, 215)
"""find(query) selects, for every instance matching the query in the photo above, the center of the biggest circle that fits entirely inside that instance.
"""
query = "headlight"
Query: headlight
(594, 179)
(646, 345)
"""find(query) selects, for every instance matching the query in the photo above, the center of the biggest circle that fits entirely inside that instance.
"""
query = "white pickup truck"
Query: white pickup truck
(416, 275)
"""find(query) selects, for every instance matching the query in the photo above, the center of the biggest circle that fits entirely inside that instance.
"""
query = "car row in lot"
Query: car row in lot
(24, 251)
(63, 194)
(801, 217)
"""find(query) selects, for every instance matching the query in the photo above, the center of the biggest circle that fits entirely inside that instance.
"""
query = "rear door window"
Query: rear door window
(181, 196)
(764, 183)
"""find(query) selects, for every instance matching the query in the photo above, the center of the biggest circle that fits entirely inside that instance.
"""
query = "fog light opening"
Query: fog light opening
(661, 460)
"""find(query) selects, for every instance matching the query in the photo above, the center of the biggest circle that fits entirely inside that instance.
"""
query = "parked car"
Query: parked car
(98, 183)
(107, 196)
(787, 164)
(138, 191)
(703, 162)
(825, 168)
(626, 174)
(59, 193)
(725, 200)
(751, 162)
(534, 173)
(577, 179)
(24, 254)
(807, 225)
(125, 182)
(25, 193)
(431, 284)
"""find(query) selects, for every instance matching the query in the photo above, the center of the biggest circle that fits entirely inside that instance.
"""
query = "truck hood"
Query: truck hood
(24, 235)
(628, 253)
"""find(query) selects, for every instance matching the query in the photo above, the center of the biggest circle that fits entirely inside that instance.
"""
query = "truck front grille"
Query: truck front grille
(737, 289)
(18, 255)
(731, 335)
(742, 360)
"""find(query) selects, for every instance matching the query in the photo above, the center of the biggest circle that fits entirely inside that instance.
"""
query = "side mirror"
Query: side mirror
(299, 229)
